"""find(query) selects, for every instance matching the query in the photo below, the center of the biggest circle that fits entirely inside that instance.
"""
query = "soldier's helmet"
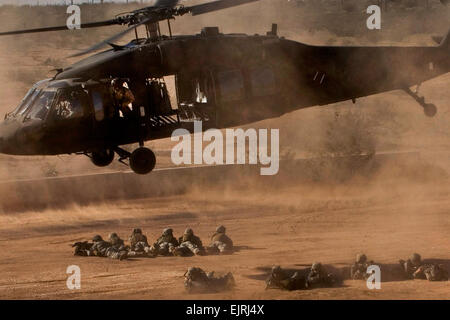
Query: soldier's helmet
(97, 238)
(194, 273)
(221, 229)
(137, 231)
(167, 232)
(113, 236)
(416, 258)
(188, 232)
(276, 270)
(316, 266)
(361, 258)
(117, 83)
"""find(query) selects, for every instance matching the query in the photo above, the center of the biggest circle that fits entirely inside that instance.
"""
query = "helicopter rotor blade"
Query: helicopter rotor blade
(111, 39)
(59, 28)
(216, 5)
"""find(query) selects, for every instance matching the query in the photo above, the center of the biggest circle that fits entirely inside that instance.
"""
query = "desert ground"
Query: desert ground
(326, 214)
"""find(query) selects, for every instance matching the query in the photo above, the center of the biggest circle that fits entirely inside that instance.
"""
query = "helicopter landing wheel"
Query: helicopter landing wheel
(102, 158)
(429, 109)
(142, 160)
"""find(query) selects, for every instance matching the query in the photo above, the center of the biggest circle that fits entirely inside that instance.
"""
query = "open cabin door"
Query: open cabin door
(196, 97)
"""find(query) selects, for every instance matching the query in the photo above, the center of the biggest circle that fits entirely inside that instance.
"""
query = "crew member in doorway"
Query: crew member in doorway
(123, 96)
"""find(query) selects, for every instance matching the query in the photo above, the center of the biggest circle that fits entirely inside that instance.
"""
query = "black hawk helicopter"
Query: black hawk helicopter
(119, 96)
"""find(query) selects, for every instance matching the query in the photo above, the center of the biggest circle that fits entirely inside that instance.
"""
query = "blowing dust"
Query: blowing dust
(370, 176)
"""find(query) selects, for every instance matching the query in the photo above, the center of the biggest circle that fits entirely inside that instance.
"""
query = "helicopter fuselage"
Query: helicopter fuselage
(221, 80)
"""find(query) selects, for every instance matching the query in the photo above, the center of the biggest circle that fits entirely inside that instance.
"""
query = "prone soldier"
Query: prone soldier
(190, 244)
(101, 248)
(279, 279)
(117, 243)
(139, 245)
(412, 267)
(82, 248)
(435, 272)
(220, 242)
(198, 281)
(166, 243)
(319, 278)
(358, 270)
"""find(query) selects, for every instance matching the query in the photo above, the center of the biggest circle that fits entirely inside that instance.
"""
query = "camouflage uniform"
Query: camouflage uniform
(198, 281)
(413, 267)
(116, 242)
(221, 243)
(166, 243)
(279, 279)
(358, 270)
(318, 277)
(123, 96)
(102, 248)
(82, 248)
(190, 244)
(435, 272)
(138, 244)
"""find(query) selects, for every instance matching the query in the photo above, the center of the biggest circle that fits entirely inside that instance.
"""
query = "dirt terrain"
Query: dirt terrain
(293, 227)
(330, 216)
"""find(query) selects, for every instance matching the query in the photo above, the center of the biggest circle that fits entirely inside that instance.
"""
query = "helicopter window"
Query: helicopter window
(26, 102)
(97, 99)
(263, 82)
(69, 105)
(42, 105)
(200, 92)
(231, 85)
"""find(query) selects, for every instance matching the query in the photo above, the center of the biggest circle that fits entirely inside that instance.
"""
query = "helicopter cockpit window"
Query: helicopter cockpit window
(42, 105)
(231, 85)
(69, 105)
(263, 82)
(25, 103)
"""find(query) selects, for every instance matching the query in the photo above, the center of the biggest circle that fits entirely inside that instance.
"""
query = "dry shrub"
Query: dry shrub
(346, 146)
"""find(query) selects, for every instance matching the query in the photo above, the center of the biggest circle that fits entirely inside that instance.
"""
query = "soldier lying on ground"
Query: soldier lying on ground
(220, 242)
(165, 244)
(117, 243)
(82, 248)
(435, 272)
(358, 270)
(190, 245)
(414, 268)
(139, 245)
(318, 277)
(101, 248)
(198, 281)
(279, 279)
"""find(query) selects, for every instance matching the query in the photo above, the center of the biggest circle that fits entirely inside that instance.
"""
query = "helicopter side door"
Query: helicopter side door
(196, 97)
